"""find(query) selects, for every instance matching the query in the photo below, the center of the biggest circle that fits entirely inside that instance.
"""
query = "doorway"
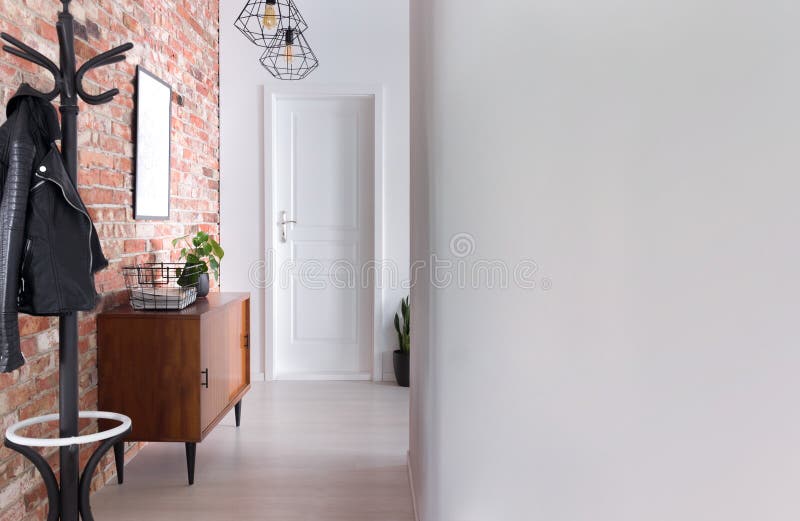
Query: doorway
(323, 231)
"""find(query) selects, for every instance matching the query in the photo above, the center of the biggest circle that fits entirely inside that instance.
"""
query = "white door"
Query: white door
(323, 236)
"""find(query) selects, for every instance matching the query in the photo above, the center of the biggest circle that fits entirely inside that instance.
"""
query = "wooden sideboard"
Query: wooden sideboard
(176, 374)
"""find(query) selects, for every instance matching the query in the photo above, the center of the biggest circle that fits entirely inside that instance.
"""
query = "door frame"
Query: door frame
(306, 90)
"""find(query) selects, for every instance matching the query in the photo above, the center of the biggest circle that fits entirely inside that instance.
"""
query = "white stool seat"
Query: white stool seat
(11, 432)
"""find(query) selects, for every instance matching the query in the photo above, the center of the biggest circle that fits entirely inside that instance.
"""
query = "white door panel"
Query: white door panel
(326, 168)
(323, 180)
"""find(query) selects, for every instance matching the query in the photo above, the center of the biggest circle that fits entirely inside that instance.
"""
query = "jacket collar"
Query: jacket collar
(53, 127)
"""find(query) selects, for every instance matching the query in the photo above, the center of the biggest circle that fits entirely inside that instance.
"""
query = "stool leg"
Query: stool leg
(86, 478)
(119, 459)
(191, 452)
(237, 409)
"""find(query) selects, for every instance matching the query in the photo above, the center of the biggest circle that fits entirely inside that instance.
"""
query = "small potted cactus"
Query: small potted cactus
(402, 356)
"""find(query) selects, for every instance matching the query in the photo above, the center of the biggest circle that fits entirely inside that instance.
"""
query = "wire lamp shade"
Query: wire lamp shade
(288, 56)
(261, 20)
(278, 27)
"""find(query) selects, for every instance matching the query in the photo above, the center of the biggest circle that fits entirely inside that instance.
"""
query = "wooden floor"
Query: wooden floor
(310, 451)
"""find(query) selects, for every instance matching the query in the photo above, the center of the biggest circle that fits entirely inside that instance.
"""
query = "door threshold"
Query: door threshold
(365, 376)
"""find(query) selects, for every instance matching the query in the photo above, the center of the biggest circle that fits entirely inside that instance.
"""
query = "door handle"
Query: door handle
(204, 383)
(282, 224)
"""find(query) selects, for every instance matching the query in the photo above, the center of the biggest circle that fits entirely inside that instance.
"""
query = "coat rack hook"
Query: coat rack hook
(27, 53)
(114, 55)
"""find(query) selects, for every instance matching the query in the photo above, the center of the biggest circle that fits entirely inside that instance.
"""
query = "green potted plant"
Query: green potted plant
(402, 356)
(201, 253)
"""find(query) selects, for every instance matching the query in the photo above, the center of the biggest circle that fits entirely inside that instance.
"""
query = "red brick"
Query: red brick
(87, 326)
(13, 397)
(8, 379)
(45, 404)
(35, 497)
(28, 346)
(14, 512)
(99, 195)
(135, 245)
(112, 144)
(47, 381)
(37, 366)
(45, 29)
(131, 23)
(97, 159)
(29, 325)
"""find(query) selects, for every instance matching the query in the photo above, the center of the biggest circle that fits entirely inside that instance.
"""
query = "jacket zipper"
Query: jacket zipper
(80, 210)
(27, 252)
(25, 260)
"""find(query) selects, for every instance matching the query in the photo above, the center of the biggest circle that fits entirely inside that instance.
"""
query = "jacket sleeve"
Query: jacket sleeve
(21, 153)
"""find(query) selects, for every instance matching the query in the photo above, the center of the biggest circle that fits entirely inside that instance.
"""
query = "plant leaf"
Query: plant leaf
(216, 248)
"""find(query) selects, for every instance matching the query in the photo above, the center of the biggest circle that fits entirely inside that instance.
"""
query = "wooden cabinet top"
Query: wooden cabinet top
(209, 304)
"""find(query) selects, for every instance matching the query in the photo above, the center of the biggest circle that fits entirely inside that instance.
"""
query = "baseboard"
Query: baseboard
(411, 484)
(360, 377)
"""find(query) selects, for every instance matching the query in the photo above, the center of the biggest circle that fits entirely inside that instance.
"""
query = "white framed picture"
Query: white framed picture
(153, 136)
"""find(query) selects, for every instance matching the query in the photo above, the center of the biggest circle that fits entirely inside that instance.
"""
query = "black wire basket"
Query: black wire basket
(162, 285)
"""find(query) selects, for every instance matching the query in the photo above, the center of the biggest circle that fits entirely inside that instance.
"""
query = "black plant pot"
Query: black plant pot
(202, 285)
(401, 367)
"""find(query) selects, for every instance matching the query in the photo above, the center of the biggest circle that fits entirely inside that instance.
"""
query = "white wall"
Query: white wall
(359, 43)
(645, 155)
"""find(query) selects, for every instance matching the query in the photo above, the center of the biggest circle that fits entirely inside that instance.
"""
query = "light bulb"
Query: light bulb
(289, 55)
(288, 51)
(270, 19)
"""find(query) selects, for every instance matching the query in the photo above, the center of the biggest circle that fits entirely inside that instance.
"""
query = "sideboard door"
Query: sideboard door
(225, 353)
(213, 359)
(233, 351)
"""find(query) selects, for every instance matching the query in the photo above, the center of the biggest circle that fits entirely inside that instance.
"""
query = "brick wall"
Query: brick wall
(177, 41)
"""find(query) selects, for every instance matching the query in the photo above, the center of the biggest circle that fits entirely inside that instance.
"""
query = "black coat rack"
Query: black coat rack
(73, 496)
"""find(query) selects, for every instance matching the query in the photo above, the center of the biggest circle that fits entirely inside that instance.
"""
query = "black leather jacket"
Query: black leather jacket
(49, 249)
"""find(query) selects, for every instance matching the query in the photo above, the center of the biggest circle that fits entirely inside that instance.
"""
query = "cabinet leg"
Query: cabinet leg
(119, 459)
(237, 409)
(191, 452)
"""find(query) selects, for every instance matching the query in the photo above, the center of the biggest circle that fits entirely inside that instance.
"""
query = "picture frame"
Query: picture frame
(153, 141)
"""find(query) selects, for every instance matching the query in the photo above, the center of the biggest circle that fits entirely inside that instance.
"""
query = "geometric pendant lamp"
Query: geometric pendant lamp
(288, 56)
(260, 20)
(279, 28)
